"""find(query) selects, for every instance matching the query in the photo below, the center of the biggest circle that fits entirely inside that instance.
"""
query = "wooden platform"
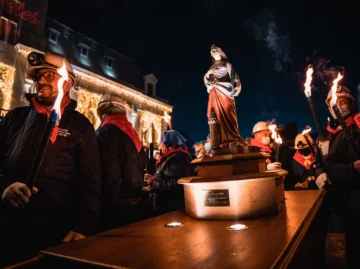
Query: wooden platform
(295, 238)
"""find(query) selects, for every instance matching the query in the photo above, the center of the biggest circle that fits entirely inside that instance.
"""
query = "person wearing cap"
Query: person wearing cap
(199, 149)
(174, 163)
(64, 203)
(345, 101)
(260, 142)
(307, 171)
(123, 160)
(343, 168)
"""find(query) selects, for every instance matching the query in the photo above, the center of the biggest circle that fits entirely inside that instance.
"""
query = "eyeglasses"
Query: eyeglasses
(48, 76)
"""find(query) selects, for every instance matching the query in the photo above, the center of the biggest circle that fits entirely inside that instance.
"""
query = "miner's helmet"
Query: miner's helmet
(260, 126)
(110, 103)
(50, 60)
(301, 143)
(341, 91)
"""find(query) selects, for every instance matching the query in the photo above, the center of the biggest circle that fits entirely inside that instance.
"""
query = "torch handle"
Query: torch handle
(316, 118)
(310, 146)
(34, 171)
(277, 152)
(344, 127)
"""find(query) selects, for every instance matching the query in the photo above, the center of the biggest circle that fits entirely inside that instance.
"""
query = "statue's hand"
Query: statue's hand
(209, 72)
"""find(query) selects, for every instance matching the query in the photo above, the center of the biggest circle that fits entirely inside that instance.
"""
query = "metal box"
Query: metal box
(236, 196)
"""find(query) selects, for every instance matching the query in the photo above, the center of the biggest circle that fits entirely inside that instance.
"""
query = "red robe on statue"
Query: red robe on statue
(224, 108)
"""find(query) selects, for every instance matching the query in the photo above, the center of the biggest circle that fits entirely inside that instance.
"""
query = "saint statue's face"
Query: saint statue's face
(215, 54)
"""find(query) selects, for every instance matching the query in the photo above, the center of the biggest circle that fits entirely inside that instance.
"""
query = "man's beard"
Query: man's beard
(48, 101)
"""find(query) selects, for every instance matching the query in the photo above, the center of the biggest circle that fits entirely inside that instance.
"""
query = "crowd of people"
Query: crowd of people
(89, 181)
(94, 180)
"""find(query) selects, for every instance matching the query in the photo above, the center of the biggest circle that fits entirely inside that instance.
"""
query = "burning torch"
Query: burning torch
(275, 135)
(54, 120)
(307, 92)
(339, 117)
(167, 119)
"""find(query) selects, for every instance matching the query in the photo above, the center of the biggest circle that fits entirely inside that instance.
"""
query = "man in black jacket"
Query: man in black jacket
(123, 159)
(65, 201)
(343, 168)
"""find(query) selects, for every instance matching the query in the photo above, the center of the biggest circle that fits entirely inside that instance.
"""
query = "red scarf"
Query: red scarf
(121, 122)
(169, 152)
(357, 119)
(41, 109)
(263, 148)
(349, 121)
(307, 163)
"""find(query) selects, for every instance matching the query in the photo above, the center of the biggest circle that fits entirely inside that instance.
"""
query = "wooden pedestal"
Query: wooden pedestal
(233, 187)
(231, 164)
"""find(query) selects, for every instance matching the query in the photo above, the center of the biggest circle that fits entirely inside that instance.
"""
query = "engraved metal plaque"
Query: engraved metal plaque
(216, 198)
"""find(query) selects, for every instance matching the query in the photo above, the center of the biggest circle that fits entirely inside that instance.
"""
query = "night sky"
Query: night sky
(270, 49)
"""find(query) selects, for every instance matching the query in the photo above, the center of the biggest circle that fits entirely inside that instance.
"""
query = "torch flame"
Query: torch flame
(334, 88)
(272, 128)
(306, 130)
(274, 134)
(307, 84)
(64, 77)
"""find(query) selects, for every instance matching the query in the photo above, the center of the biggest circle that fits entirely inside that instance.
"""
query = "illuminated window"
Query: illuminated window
(150, 89)
(108, 62)
(17, 6)
(53, 36)
(12, 35)
(4, 29)
(84, 51)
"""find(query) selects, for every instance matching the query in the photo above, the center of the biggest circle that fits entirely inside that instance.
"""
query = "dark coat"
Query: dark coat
(123, 171)
(344, 193)
(167, 194)
(68, 181)
(301, 173)
(339, 167)
(285, 158)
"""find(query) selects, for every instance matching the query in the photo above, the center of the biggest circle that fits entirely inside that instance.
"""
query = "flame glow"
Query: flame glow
(307, 84)
(274, 134)
(64, 77)
(306, 130)
(334, 88)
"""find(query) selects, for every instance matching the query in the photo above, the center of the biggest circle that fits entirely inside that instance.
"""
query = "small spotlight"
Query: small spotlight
(174, 225)
(237, 227)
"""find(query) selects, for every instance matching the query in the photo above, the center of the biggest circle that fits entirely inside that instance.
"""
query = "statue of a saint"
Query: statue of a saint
(223, 84)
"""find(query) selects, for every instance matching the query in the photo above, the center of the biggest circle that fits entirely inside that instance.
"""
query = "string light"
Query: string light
(7, 75)
(122, 90)
(87, 104)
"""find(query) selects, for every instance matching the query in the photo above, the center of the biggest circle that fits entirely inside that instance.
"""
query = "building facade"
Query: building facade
(99, 69)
